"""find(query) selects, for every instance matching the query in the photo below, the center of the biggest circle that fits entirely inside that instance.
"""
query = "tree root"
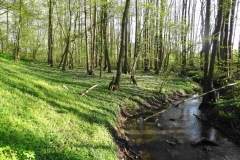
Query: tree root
(204, 140)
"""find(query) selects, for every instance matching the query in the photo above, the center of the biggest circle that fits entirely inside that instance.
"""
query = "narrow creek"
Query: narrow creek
(168, 136)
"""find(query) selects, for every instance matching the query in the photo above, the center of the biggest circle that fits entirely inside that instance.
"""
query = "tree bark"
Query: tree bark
(206, 44)
(86, 35)
(17, 43)
(125, 64)
(93, 54)
(239, 55)
(50, 34)
(160, 54)
(136, 41)
(233, 6)
(67, 39)
(225, 38)
(211, 97)
(123, 29)
(184, 35)
(107, 64)
(202, 36)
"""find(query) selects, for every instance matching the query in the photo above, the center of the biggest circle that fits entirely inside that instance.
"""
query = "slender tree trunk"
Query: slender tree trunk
(225, 38)
(136, 40)
(93, 54)
(183, 36)
(107, 64)
(7, 29)
(239, 54)
(160, 53)
(202, 36)
(17, 43)
(50, 36)
(66, 51)
(2, 48)
(233, 6)
(125, 64)
(86, 34)
(121, 53)
(192, 38)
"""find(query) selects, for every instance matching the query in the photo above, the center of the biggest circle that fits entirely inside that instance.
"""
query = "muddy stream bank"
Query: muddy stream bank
(168, 136)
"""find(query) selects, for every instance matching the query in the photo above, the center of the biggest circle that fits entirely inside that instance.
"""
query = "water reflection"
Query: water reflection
(178, 124)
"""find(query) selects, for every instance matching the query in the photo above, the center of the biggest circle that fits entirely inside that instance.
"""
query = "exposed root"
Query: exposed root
(204, 140)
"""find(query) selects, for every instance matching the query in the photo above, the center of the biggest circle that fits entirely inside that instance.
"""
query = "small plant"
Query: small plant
(193, 73)
(226, 115)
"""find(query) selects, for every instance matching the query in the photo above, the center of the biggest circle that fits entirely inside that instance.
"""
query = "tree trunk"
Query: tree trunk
(202, 36)
(183, 36)
(206, 44)
(125, 64)
(93, 54)
(86, 34)
(66, 51)
(208, 98)
(50, 36)
(136, 41)
(233, 6)
(107, 64)
(17, 43)
(225, 38)
(121, 53)
(239, 55)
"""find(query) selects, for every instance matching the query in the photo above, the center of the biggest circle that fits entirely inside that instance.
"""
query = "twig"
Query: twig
(64, 86)
(128, 154)
(154, 114)
(82, 94)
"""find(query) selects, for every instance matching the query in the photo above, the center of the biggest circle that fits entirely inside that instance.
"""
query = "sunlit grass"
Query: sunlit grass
(43, 116)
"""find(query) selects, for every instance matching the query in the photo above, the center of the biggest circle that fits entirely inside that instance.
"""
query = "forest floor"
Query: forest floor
(49, 114)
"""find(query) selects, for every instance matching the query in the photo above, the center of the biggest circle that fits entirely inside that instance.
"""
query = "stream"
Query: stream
(168, 136)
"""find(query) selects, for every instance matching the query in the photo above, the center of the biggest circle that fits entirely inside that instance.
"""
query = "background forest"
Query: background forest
(160, 35)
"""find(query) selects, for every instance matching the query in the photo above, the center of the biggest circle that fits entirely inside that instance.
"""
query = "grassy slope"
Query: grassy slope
(41, 119)
(229, 107)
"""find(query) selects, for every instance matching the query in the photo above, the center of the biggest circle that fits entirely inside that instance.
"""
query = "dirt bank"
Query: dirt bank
(125, 150)
(167, 146)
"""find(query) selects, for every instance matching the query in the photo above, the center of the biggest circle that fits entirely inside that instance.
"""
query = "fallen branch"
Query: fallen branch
(232, 84)
(171, 143)
(204, 140)
(154, 115)
(82, 94)
(65, 87)
(176, 105)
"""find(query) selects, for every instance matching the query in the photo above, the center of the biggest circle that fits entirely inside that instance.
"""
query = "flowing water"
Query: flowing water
(168, 136)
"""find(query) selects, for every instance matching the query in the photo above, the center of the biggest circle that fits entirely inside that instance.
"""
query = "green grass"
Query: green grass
(229, 106)
(41, 119)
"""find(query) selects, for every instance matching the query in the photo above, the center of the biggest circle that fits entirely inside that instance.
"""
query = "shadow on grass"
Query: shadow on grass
(100, 112)
(41, 145)
(18, 141)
